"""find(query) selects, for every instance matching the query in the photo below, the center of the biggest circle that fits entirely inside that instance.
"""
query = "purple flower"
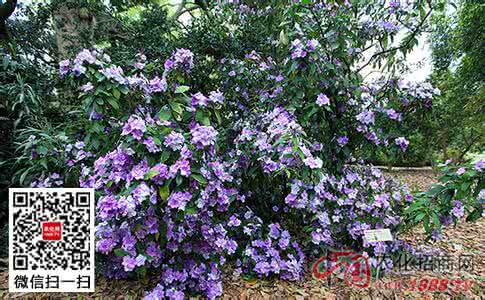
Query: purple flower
(312, 44)
(64, 67)
(297, 49)
(480, 165)
(139, 171)
(181, 165)
(342, 140)
(157, 85)
(322, 100)
(174, 141)
(129, 242)
(183, 58)
(134, 126)
(402, 142)
(85, 56)
(140, 260)
(87, 87)
(216, 97)
(178, 200)
(149, 142)
(203, 136)
(199, 99)
(79, 70)
(313, 163)
(129, 263)
(460, 171)
(114, 72)
(458, 209)
(392, 114)
(366, 117)
(233, 221)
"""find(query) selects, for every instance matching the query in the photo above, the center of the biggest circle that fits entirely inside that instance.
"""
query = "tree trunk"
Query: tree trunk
(74, 27)
(6, 10)
(444, 144)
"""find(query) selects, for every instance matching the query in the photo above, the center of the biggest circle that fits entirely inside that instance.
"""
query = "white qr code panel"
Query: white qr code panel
(51, 240)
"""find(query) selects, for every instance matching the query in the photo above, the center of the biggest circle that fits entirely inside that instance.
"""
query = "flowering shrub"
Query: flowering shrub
(252, 160)
(460, 193)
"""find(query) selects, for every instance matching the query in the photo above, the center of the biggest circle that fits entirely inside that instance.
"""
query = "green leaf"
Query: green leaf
(114, 103)
(120, 252)
(165, 114)
(475, 215)
(164, 192)
(203, 118)
(116, 93)
(150, 174)
(419, 217)
(142, 271)
(181, 89)
(201, 179)
(165, 155)
(191, 210)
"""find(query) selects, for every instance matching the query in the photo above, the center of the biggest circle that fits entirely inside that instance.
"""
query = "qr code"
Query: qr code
(51, 240)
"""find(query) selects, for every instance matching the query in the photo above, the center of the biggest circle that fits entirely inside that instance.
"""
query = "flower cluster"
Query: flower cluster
(251, 167)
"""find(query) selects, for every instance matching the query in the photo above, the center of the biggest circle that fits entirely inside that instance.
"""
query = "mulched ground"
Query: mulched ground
(464, 239)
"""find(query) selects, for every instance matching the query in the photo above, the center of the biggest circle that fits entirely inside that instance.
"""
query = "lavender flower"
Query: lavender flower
(134, 126)
(342, 140)
(199, 99)
(87, 87)
(313, 163)
(402, 142)
(322, 100)
(203, 136)
(64, 67)
(179, 200)
(174, 141)
(458, 209)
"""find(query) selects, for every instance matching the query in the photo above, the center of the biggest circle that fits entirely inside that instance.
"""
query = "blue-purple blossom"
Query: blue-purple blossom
(203, 136)
(402, 142)
(179, 200)
(64, 67)
(87, 87)
(298, 49)
(313, 162)
(342, 140)
(174, 141)
(479, 165)
(199, 99)
(134, 126)
(322, 100)
(216, 97)
(460, 171)
(458, 209)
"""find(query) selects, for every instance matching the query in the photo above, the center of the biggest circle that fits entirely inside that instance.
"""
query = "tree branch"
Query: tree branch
(402, 46)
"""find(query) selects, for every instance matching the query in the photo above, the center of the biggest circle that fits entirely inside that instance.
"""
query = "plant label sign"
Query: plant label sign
(378, 235)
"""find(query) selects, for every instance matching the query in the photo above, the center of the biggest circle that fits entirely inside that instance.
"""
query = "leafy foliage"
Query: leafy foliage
(459, 193)
(239, 138)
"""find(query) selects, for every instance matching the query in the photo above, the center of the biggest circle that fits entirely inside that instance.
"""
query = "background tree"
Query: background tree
(6, 10)
(458, 52)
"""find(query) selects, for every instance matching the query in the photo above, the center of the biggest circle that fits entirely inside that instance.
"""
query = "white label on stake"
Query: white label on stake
(378, 235)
